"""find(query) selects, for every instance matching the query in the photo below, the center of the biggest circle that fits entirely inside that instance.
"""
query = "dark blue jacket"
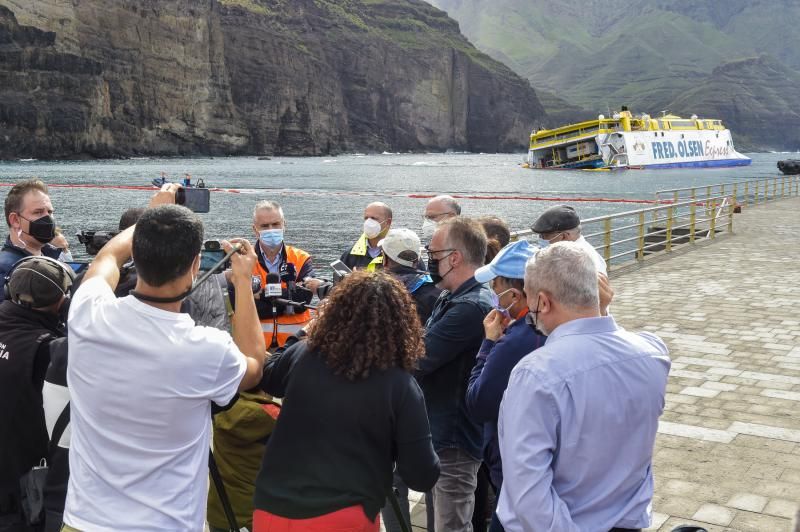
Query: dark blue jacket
(489, 380)
(10, 254)
(453, 336)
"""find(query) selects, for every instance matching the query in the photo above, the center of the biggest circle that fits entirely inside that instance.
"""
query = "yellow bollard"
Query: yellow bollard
(607, 243)
(692, 221)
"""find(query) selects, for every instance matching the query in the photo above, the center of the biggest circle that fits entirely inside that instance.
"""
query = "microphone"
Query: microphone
(273, 288)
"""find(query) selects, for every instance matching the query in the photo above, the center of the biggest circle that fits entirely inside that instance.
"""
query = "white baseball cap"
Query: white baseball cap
(402, 246)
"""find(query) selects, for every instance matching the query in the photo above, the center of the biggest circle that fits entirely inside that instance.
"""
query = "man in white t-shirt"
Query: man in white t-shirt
(562, 224)
(142, 377)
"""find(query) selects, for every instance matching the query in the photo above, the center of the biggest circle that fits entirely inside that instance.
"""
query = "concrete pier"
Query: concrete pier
(727, 455)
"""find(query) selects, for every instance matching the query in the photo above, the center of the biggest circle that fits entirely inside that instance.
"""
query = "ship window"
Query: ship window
(662, 133)
(682, 136)
(682, 123)
(655, 134)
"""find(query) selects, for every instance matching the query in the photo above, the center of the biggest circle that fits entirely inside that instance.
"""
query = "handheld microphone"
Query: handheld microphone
(273, 288)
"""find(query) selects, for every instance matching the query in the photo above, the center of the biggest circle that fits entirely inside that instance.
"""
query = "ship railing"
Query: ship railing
(744, 193)
(626, 238)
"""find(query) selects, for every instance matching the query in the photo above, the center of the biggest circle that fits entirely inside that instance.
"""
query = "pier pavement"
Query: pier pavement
(727, 455)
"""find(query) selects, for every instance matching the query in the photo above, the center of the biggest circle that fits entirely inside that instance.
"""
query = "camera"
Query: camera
(94, 240)
(211, 254)
(196, 199)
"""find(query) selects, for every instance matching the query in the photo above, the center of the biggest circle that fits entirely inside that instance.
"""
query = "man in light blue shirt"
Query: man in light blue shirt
(579, 418)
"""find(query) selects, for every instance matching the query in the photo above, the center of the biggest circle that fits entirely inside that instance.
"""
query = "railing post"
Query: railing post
(713, 230)
(755, 196)
(668, 242)
(774, 188)
(783, 184)
(746, 193)
(692, 221)
(607, 242)
(735, 195)
(675, 197)
(730, 213)
(640, 251)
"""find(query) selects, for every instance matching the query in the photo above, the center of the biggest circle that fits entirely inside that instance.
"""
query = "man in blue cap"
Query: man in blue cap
(509, 337)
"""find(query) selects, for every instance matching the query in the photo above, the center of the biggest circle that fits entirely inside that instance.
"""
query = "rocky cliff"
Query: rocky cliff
(182, 77)
(758, 98)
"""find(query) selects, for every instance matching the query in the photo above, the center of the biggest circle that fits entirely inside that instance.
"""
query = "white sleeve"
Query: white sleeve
(232, 367)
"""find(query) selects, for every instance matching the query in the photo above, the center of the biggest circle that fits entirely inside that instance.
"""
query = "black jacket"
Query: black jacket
(25, 336)
(336, 440)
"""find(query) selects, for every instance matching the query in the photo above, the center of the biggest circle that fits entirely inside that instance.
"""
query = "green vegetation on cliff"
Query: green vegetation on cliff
(642, 53)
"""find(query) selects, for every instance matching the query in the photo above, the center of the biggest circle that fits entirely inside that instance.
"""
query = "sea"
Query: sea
(323, 198)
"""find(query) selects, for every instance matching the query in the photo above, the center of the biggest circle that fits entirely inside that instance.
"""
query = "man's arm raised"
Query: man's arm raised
(118, 250)
(247, 333)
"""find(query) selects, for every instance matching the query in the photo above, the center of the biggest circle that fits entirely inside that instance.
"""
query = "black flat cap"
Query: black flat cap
(558, 218)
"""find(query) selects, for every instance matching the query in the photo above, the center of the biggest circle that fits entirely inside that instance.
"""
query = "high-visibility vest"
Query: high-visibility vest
(282, 327)
(359, 249)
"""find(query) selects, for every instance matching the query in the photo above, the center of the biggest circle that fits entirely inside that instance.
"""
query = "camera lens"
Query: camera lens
(212, 245)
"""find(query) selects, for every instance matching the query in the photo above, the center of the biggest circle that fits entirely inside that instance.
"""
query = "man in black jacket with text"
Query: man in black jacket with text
(36, 290)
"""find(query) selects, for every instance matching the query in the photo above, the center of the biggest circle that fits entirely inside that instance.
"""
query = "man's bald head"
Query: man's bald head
(441, 208)
(378, 211)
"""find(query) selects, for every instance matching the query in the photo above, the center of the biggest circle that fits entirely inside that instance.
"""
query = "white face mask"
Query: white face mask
(428, 228)
(21, 241)
(372, 228)
(542, 243)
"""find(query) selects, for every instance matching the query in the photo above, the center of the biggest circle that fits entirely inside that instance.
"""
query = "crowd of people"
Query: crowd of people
(485, 373)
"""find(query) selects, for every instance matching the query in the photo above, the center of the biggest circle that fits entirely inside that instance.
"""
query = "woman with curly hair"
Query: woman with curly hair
(352, 412)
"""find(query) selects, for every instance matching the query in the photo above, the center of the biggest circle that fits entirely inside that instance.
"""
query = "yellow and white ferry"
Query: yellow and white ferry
(625, 141)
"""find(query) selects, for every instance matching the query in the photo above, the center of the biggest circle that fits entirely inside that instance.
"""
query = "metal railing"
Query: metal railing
(683, 216)
(750, 192)
(629, 236)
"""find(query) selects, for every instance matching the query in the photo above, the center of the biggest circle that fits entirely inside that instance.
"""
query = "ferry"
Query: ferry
(625, 141)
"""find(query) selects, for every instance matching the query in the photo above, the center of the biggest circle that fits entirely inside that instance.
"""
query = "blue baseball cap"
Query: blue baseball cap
(509, 263)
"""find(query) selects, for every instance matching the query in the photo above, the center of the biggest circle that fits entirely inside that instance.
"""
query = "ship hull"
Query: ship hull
(663, 148)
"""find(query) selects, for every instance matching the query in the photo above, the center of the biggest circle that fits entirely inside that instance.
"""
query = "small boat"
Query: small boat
(186, 182)
(789, 166)
(627, 141)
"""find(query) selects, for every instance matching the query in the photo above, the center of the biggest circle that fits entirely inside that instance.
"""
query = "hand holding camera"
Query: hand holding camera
(242, 262)
(165, 196)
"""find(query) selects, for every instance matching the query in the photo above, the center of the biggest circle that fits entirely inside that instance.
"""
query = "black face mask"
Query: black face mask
(42, 229)
(433, 269)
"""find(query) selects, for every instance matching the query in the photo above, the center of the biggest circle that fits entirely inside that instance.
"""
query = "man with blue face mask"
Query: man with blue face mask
(366, 253)
(29, 215)
(293, 265)
(509, 337)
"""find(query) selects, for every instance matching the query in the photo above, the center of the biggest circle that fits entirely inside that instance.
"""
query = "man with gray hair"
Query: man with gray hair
(437, 210)
(578, 420)
(292, 265)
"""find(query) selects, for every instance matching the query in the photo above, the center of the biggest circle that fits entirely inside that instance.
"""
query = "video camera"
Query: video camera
(94, 240)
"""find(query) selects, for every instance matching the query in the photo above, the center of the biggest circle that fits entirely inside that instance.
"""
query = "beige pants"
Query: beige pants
(67, 528)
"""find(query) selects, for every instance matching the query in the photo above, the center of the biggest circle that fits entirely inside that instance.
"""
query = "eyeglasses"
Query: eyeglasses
(430, 251)
(437, 217)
